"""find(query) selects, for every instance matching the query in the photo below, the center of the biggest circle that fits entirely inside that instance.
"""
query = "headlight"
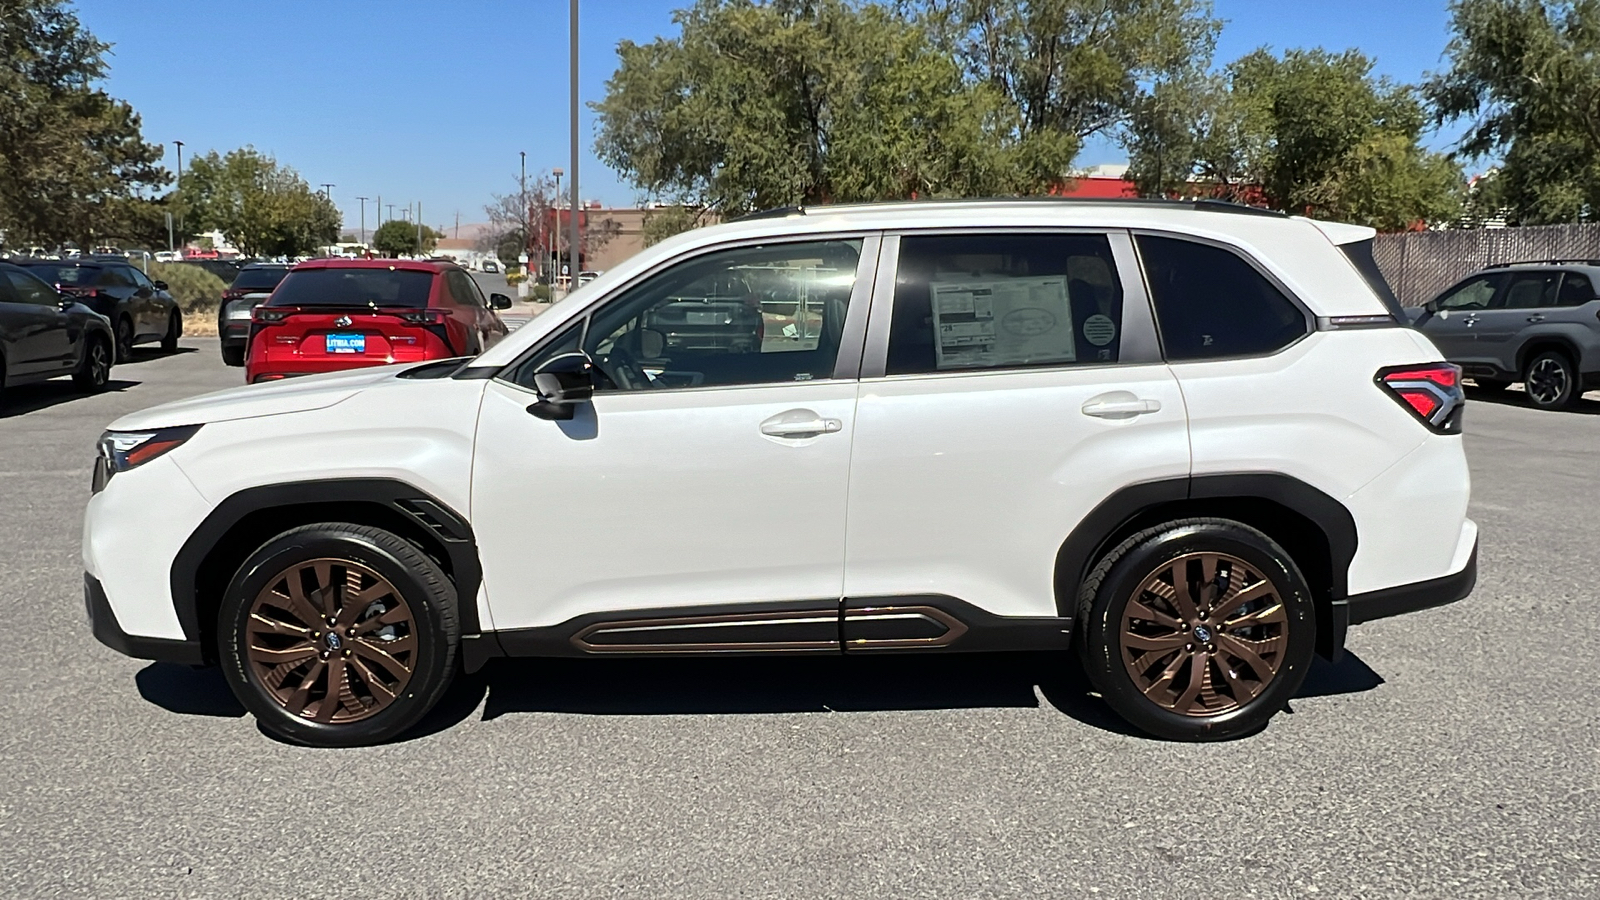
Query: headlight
(124, 450)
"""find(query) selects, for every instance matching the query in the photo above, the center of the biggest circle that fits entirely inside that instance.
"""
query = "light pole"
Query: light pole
(327, 191)
(575, 246)
(363, 219)
(179, 187)
(522, 186)
(555, 232)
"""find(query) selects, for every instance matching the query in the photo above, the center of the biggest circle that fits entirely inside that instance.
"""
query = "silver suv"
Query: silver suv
(1533, 322)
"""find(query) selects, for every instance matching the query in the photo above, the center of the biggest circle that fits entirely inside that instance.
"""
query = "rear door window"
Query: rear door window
(1210, 303)
(1530, 290)
(1004, 301)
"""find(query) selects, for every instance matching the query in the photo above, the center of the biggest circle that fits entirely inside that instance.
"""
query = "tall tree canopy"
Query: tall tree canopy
(1306, 132)
(73, 164)
(1525, 74)
(262, 208)
(761, 104)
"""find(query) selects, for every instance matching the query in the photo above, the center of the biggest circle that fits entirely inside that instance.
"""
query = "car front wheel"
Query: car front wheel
(338, 635)
(1199, 629)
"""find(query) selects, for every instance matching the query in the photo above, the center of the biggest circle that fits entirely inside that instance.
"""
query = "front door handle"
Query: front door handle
(1470, 321)
(1119, 405)
(1536, 318)
(799, 423)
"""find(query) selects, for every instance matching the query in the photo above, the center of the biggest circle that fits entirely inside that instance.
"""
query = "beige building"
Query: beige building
(614, 235)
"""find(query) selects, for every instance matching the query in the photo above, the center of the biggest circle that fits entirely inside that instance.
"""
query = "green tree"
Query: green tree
(73, 164)
(763, 104)
(1310, 132)
(398, 237)
(262, 208)
(1526, 75)
(1072, 67)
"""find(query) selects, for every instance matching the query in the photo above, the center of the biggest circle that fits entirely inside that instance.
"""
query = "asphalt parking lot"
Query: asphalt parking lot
(1453, 753)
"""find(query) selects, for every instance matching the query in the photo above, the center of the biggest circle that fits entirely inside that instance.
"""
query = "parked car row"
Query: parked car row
(139, 310)
(45, 334)
(330, 314)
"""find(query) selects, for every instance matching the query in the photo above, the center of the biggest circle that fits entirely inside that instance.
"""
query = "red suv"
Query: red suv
(331, 314)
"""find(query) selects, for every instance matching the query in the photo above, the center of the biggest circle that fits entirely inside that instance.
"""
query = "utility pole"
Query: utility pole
(522, 187)
(327, 191)
(457, 232)
(575, 246)
(555, 232)
(363, 219)
(419, 227)
(391, 211)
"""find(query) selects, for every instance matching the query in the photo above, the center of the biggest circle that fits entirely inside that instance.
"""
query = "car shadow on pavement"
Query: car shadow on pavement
(28, 398)
(1513, 397)
(153, 353)
(187, 690)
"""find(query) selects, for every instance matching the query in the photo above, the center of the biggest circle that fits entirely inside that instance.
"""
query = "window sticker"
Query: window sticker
(1002, 322)
(1099, 330)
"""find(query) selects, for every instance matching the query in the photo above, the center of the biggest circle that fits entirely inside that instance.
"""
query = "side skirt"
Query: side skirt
(927, 623)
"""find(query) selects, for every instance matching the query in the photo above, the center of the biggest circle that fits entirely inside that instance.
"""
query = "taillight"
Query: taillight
(424, 316)
(264, 316)
(1431, 392)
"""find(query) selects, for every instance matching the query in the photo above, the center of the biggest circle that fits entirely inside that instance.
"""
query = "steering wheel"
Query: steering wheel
(624, 371)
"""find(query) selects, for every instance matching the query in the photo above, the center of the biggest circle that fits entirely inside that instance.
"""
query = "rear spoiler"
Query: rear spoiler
(1356, 242)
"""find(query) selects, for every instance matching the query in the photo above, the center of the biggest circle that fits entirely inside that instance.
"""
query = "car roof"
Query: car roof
(80, 262)
(404, 265)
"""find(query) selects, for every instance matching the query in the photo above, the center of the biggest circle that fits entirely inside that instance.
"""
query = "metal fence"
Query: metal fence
(1420, 265)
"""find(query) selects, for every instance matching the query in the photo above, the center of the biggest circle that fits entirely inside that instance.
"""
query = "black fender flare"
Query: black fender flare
(447, 529)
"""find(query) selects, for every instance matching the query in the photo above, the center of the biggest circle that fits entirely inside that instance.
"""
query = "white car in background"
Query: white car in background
(1189, 443)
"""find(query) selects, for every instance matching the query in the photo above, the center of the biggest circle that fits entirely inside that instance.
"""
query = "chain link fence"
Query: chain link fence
(1421, 264)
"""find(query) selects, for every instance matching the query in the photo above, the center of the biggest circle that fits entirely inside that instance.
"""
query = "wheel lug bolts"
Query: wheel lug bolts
(1189, 648)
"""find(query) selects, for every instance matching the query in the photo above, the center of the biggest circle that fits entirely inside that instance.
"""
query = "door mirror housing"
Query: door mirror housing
(563, 383)
(499, 301)
(160, 285)
(1431, 306)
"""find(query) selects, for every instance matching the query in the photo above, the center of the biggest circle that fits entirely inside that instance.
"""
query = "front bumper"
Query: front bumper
(1421, 595)
(107, 631)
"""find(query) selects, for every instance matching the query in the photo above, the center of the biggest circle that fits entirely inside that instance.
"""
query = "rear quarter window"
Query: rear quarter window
(1210, 303)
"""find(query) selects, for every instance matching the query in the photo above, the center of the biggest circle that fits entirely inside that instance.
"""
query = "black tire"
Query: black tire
(169, 341)
(425, 590)
(1104, 598)
(233, 356)
(124, 338)
(1552, 381)
(1491, 385)
(94, 370)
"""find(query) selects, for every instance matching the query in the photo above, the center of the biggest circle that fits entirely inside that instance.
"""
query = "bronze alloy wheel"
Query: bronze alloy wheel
(331, 640)
(1204, 634)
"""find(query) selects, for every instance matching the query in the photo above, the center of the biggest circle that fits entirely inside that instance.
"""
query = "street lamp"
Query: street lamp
(555, 232)
(363, 219)
(179, 187)
(575, 246)
(327, 191)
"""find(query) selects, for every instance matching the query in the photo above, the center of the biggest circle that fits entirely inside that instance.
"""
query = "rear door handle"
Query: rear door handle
(1119, 405)
(1536, 318)
(799, 423)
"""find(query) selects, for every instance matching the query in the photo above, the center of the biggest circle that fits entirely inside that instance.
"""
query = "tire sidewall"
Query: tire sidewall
(1102, 651)
(433, 658)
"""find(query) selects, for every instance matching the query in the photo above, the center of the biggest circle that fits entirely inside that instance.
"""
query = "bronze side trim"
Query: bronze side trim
(953, 628)
(591, 639)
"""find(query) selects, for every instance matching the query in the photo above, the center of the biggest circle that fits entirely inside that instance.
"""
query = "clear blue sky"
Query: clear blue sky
(432, 101)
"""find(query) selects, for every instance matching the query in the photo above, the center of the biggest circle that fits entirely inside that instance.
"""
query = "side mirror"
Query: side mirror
(1431, 306)
(499, 301)
(651, 343)
(160, 285)
(563, 383)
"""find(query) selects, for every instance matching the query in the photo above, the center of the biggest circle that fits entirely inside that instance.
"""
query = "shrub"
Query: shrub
(541, 293)
(195, 289)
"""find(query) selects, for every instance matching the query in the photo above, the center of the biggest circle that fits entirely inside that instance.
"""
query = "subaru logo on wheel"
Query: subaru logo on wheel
(1200, 632)
(334, 642)
(342, 321)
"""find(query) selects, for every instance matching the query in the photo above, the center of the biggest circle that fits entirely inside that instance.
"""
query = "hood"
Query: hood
(253, 400)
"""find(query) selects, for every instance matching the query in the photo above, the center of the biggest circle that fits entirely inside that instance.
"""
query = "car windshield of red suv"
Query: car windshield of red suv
(354, 287)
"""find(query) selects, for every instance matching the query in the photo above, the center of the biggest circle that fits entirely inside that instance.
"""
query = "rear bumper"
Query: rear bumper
(109, 632)
(1421, 595)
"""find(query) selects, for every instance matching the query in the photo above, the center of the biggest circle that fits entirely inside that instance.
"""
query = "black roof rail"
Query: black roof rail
(1544, 262)
(1219, 206)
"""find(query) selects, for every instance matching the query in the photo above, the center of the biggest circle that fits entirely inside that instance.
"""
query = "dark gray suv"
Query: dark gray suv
(1533, 322)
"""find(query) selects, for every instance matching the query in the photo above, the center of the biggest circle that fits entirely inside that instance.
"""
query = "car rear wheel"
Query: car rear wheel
(1200, 629)
(1551, 381)
(124, 338)
(338, 635)
(94, 370)
(169, 341)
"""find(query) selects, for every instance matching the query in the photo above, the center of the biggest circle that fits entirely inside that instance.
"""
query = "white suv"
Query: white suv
(1191, 441)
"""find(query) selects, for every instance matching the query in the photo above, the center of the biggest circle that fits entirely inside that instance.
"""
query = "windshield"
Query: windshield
(66, 276)
(258, 279)
(354, 287)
